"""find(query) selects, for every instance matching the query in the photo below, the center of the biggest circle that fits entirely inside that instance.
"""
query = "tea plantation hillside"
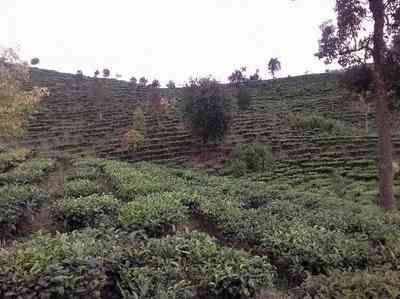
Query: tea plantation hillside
(87, 116)
(98, 228)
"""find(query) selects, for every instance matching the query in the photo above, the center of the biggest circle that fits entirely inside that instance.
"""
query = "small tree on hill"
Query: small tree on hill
(142, 82)
(35, 61)
(106, 73)
(96, 74)
(207, 109)
(171, 84)
(155, 84)
(255, 76)
(274, 66)
(364, 31)
(133, 81)
(238, 76)
(16, 102)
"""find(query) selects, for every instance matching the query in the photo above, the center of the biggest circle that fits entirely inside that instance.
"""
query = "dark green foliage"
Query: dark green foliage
(207, 109)
(156, 213)
(191, 264)
(81, 187)
(17, 204)
(86, 211)
(250, 158)
(9, 159)
(28, 172)
(243, 98)
(380, 283)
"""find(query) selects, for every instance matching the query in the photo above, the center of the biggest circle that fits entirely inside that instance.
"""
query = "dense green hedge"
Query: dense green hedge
(86, 211)
(28, 172)
(80, 187)
(17, 204)
(9, 159)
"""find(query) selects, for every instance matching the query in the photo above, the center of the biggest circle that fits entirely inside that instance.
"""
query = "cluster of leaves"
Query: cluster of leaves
(16, 103)
(247, 158)
(91, 210)
(28, 172)
(133, 139)
(17, 204)
(157, 213)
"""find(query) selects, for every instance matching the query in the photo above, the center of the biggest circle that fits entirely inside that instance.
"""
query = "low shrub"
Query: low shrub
(192, 265)
(9, 159)
(28, 172)
(17, 204)
(62, 266)
(325, 125)
(379, 283)
(250, 158)
(156, 213)
(91, 210)
(80, 187)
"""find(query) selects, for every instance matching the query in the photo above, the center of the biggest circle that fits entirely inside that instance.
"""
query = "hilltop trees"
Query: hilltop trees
(207, 109)
(364, 32)
(142, 82)
(35, 61)
(274, 66)
(106, 73)
(255, 76)
(171, 84)
(155, 84)
(16, 102)
(238, 76)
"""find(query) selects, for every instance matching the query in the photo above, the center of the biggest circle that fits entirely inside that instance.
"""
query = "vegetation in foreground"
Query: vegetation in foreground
(145, 231)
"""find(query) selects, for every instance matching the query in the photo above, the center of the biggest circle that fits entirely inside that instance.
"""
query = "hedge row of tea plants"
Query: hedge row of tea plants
(17, 205)
(28, 172)
(11, 158)
(97, 264)
(92, 210)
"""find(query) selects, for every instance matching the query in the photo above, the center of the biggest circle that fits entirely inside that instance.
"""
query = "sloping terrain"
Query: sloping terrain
(87, 116)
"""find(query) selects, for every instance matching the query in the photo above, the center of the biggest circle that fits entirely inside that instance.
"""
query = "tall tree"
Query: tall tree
(274, 66)
(365, 29)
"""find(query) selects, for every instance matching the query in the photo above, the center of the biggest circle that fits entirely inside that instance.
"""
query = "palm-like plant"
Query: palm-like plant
(274, 66)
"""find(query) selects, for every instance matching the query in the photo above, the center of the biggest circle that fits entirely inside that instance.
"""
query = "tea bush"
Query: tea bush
(379, 283)
(17, 203)
(9, 159)
(130, 181)
(243, 98)
(28, 172)
(81, 187)
(64, 266)
(86, 211)
(156, 213)
(192, 265)
(250, 158)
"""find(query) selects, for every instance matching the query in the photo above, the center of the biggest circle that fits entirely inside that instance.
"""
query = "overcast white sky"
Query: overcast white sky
(173, 39)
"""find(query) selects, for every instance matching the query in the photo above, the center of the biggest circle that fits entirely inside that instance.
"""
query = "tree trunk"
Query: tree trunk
(385, 152)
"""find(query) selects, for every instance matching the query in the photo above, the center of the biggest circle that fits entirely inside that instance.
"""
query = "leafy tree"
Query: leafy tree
(133, 81)
(155, 84)
(274, 66)
(96, 73)
(207, 109)
(363, 32)
(106, 73)
(238, 76)
(171, 84)
(255, 76)
(16, 102)
(143, 82)
(79, 74)
(35, 61)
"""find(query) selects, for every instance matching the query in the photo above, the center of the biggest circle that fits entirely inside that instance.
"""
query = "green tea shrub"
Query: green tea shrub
(243, 98)
(74, 265)
(132, 180)
(328, 126)
(156, 213)
(80, 187)
(28, 172)
(17, 204)
(9, 159)
(250, 158)
(192, 265)
(91, 210)
(379, 283)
